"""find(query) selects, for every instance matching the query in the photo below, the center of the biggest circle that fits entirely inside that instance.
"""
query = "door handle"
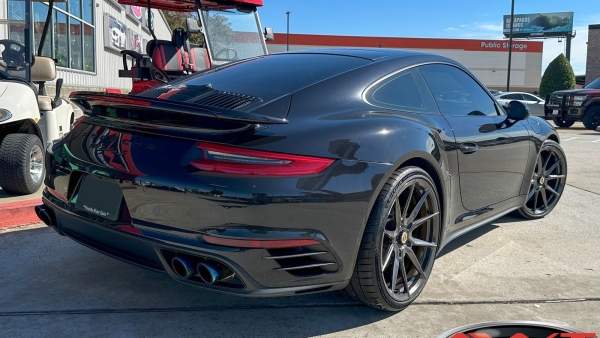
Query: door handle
(468, 148)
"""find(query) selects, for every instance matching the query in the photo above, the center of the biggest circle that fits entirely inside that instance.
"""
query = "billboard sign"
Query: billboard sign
(539, 25)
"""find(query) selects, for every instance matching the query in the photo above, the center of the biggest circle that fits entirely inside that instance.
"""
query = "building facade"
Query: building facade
(487, 59)
(86, 38)
(593, 54)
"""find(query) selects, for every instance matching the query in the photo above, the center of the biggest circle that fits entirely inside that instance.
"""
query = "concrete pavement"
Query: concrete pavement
(544, 270)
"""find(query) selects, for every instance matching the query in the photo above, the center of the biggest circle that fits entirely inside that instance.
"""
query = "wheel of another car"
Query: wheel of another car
(560, 122)
(547, 182)
(591, 119)
(21, 164)
(399, 243)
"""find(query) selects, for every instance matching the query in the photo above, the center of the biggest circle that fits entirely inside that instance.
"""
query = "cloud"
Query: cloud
(475, 30)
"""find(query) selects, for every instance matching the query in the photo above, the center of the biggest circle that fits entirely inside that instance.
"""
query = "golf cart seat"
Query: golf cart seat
(198, 56)
(169, 56)
(43, 69)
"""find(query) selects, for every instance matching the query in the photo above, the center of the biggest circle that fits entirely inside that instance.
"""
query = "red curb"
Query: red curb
(19, 213)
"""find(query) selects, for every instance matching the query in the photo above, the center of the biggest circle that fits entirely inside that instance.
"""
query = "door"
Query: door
(536, 105)
(492, 154)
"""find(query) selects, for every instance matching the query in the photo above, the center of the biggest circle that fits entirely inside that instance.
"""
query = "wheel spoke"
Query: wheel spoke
(531, 193)
(551, 169)
(404, 278)
(418, 207)
(388, 256)
(412, 189)
(390, 234)
(420, 242)
(552, 191)
(555, 177)
(547, 160)
(540, 165)
(420, 221)
(537, 192)
(415, 261)
(397, 212)
(395, 270)
(543, 193)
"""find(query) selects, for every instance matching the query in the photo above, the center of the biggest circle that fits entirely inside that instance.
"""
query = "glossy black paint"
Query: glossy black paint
(168, 204)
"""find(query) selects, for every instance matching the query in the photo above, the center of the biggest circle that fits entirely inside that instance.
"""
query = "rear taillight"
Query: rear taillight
(242, 161)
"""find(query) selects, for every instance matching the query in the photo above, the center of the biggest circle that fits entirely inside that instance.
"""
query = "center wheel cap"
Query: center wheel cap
(403, 237)
(542, 180)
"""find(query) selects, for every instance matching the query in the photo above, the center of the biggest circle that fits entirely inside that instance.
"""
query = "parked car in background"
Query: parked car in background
(494, 91)
(565, 107)
(535, 103)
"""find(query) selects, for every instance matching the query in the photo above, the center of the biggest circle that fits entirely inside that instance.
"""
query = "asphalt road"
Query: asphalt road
(546, 270)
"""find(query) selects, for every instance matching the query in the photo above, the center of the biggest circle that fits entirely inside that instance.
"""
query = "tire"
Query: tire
(21, 164)
(410, 193)
(591, 119)
(560, 122)
(547, 183)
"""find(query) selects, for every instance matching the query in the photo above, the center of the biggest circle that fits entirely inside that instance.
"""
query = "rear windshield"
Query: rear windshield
(276, 74)
(594, 84)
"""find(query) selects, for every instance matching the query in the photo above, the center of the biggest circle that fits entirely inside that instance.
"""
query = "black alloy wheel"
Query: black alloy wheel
(561, 122)
(591, 119)
(400, 242)
(547, 183)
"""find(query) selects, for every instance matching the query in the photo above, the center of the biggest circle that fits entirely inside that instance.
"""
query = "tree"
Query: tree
(558, 76)
(177, 20)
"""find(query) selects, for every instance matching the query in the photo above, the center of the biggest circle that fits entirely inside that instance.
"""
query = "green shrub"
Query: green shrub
(558, 76)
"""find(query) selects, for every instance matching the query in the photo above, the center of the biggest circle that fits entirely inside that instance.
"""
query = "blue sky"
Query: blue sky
(436, 19)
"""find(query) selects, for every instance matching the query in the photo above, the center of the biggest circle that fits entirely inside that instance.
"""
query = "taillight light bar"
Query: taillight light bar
(242, 161)
(259, 243)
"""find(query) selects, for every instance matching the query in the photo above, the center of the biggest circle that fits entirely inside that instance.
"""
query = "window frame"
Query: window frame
(430, 104)
(50, 34)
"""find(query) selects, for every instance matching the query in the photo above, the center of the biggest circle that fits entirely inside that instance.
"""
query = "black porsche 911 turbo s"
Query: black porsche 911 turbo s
(300, 172)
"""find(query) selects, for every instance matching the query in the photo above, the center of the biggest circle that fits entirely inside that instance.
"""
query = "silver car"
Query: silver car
(536, 104)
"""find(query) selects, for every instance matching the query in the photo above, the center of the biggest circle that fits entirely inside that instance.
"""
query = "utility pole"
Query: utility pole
(288, 29)
(510, 43)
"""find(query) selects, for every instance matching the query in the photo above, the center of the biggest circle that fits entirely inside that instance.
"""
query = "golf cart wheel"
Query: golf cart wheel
(399, 243)
(21, 164)
(560, 122)
(591, 119)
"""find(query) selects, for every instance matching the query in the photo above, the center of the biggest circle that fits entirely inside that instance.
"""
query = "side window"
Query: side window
(456, 93)
(528, 97)
(402, 91)
(512, 97)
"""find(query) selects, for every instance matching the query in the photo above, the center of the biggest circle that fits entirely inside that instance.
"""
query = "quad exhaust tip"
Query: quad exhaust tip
(213, 273)
(183, 267)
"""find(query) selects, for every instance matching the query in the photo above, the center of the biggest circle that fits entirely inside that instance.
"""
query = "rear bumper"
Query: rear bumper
(153, 253)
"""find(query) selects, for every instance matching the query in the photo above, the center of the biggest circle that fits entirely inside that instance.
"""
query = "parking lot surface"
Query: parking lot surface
(545, 270)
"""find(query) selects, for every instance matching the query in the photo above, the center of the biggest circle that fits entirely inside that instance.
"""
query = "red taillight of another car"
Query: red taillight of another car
(242, 161)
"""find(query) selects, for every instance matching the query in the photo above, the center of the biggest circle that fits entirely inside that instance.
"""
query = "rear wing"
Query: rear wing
(155, 108)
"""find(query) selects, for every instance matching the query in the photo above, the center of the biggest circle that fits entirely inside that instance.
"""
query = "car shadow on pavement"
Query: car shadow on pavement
(47, 276)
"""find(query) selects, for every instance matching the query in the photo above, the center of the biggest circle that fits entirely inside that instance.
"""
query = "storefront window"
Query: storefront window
(40, 11)
(75, 37)
(64, 40)
(61, 41)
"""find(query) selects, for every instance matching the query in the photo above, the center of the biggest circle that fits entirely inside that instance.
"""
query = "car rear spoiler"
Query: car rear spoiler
(88, 100)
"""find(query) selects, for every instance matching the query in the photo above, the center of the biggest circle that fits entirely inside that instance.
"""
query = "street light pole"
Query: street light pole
(510, 44)
(288, 30)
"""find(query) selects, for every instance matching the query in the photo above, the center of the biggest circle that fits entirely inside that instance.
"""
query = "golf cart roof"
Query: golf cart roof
(188, 5)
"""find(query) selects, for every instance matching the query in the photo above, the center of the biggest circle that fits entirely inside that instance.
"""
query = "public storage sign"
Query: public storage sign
(516, 329)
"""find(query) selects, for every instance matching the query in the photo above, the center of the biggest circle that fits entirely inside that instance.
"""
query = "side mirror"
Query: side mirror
(269, 34)
(191, 25)
(517, 111)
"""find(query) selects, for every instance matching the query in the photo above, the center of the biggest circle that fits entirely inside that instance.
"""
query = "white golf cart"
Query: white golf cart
(29, 119)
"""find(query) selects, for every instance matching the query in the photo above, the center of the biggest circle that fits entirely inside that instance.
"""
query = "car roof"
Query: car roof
(373, 54)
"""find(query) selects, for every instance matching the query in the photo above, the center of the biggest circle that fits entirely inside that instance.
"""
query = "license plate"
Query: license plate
(555, 112)
(99, 196)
